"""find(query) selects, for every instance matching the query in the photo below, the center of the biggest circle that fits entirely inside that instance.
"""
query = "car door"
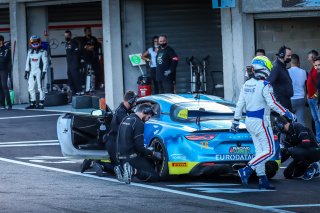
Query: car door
(81, 136)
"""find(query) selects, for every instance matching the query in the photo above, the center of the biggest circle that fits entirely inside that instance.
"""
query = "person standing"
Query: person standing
(130, 147)
(312, 82)
(256, 97)
(73, 63)
(35, 72)
(5, 63)
(299, 78)
(167, 61)
(91, 55)
(150, 56)
(260, 52)
(279, 78)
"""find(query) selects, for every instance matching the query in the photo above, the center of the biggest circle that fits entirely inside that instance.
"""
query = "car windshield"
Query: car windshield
(203, 110)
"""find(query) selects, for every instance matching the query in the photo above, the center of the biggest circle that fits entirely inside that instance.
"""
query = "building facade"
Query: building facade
(124, 27)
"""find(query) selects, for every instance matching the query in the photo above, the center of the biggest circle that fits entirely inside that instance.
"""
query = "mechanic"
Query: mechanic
(35, 72)
(280, 78)
(5, 63)
(73, 64)
(123, 110)
(91, 55)
(256, 97)
(167, 61)
(300, 144)
(133, 156)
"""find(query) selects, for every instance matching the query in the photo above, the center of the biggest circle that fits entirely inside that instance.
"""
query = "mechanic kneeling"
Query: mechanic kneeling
(300, 143)
(133, 156)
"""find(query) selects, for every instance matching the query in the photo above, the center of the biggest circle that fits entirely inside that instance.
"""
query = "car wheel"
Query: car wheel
(271, 169)
(161, 166)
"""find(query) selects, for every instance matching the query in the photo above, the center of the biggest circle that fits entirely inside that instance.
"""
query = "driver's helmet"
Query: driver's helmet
(261, 66)
(35, 42)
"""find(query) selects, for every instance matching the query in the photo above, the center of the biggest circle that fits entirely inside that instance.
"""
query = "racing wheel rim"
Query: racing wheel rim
(159, 165)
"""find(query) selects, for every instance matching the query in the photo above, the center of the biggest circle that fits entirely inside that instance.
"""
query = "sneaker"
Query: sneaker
(9, 107)
(127, 172)
(98, 169)
(118, 172)
(316, 165)
(244, 174)
(264, 183)
(309, 173)
(86, 165)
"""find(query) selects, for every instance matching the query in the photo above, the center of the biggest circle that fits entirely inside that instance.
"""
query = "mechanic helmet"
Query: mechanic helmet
(35, 42)
(261, 66)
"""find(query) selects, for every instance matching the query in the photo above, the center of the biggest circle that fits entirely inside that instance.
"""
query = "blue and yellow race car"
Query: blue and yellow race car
(190, 130)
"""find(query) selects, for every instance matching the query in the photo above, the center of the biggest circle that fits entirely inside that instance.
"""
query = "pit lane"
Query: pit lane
(28, 138)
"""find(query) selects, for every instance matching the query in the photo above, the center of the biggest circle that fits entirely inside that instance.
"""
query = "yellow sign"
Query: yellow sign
(183, 114)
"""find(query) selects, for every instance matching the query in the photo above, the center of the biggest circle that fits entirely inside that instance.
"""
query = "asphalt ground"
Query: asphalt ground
(35, 177)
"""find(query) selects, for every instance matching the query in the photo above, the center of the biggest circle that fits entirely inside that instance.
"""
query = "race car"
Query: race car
(190, 130)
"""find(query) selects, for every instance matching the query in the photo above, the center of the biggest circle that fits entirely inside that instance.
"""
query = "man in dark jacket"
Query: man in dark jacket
(123, 110)
(5, 62)
(73, 63)
(167, 61)
(280, 78)
(299, 143)
(130, 147)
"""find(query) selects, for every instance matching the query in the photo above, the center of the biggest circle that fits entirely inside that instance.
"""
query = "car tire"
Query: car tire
(271, 169)
(56, 99)
(161, 166)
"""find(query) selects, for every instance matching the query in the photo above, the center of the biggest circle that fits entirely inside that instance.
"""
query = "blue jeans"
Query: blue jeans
(315, 115)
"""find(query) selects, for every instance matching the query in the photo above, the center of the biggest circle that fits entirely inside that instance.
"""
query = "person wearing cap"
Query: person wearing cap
(134, 158)
(256, 98)
(5, 63)
(300, 144)
(279, 78)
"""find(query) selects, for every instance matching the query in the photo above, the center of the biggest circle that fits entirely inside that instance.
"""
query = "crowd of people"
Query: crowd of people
(274, 98)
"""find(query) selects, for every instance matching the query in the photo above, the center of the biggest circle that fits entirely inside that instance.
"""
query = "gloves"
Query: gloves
(157, 155)
(43, 75)
(234, 127)
(26, 75)
(290, 115)
(167, 72)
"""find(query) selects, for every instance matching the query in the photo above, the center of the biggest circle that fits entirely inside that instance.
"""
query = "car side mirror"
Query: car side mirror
(97, 112)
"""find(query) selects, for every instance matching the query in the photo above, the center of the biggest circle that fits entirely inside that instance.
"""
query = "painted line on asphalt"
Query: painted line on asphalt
(204, 197)
(203, 185)
(24, 142)
(29, 116)
(52, 110)
(28, 145)
(295, 206)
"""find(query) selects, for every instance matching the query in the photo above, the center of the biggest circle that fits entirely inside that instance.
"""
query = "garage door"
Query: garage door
(193, 29)
(5, 23)
(73, 17)
(300, 34)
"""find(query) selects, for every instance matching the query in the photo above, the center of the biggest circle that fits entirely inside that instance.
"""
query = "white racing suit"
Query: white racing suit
(33, 65)
(256, 97)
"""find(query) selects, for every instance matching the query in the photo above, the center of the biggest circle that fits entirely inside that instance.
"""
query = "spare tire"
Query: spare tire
(56, 99)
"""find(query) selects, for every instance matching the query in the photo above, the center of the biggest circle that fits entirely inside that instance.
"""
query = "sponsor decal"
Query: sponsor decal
(181, 164)
(178, 157)
(242, 150)
(234, 157)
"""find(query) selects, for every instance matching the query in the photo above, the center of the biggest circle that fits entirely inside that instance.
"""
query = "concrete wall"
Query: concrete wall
(263, 6)
(237, 31)
(132, 40)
